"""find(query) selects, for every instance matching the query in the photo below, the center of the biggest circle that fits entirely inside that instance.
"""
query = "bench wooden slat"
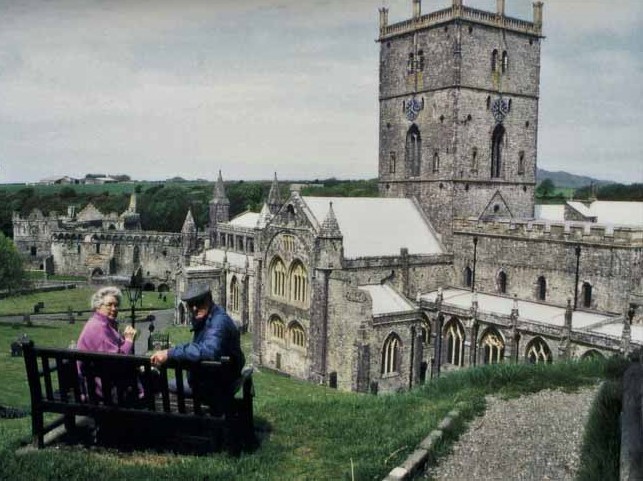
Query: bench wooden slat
(128, 384)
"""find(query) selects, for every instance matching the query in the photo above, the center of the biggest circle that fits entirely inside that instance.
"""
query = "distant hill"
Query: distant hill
(565, 179)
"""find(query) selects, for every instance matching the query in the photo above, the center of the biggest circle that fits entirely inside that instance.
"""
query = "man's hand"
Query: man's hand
(159, 357)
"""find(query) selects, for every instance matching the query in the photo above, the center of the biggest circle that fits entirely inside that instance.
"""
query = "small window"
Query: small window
(474, 159)
(494, 60)
(521, 162)
(436, 163)
(468, 276)
(586, 295)
(542, 288)
(505, 61)
(502, 282)
(392, 160)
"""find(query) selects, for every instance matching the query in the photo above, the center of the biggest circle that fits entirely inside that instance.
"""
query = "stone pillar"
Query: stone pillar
(258, 326)
(418, 354)
(417, 8)
(538, 14)
(383, 18)
(564, 348)
(500, 8)
(319, 326)
(404, 271)
(362, 363)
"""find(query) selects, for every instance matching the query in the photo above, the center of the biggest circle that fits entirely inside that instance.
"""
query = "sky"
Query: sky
(162, 88)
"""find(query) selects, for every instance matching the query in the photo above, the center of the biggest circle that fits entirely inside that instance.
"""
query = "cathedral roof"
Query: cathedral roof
(246, 219)
(386, 300)
(375, 227)
(612, 212)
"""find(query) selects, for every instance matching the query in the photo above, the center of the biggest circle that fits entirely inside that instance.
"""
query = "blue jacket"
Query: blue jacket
(213, 338)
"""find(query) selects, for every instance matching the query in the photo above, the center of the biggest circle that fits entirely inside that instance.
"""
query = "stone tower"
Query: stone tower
(219, 211)
(459, 94)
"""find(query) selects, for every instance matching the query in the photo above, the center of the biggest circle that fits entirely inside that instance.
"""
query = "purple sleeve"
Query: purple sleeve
(99, 337)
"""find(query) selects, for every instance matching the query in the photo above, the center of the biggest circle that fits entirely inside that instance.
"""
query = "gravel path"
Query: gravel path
(534, 437)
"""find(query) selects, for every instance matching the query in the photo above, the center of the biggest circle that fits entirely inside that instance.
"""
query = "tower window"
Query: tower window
(521, 162)
(488, 102)
(505, 61)
(468, 276)
(542, 288)
(586, 295)
(413, 150)
(392, 163)
(494, 60)
(502, 282)
(420, 61)
(474, 159)
(436, 162)
(497, 141)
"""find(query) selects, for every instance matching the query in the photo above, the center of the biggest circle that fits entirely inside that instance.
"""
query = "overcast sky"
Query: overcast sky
(159, 88)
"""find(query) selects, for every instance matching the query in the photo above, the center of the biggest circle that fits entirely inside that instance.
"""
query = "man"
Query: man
(215, 335)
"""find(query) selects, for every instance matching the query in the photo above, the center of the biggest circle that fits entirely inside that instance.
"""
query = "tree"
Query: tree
(545, 188)
(12, 273)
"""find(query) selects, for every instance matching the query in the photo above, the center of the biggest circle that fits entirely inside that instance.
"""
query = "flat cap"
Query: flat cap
(195, 292)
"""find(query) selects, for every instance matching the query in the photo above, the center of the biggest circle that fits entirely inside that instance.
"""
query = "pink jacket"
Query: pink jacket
(101, 335)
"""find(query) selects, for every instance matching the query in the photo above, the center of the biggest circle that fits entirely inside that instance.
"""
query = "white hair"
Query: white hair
(100, 295)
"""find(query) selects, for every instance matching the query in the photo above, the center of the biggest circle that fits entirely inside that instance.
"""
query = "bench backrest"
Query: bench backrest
(124, 381)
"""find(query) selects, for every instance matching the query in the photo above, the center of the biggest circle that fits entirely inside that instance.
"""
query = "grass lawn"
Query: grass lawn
(78, 299)
(307, 432)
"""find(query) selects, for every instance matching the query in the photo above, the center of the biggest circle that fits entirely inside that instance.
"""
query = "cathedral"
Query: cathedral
(453, 265)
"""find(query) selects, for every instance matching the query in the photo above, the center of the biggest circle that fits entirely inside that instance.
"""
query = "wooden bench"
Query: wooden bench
(125, 393)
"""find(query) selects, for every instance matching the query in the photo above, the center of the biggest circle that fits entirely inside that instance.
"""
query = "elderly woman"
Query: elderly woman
(100, 333)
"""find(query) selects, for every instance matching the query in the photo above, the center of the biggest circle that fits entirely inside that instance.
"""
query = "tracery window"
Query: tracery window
(538, 352)
(391, 354)
(455, 342)
(493, 347)
(277, 328)
(297, 334)
(234, 295)
(413, 150)
(288, 242)
(299, 283)
(278, 278)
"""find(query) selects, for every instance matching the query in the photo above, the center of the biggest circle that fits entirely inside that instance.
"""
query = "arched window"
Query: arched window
(497, 143)
(234, 295)
(521, 162)
(492, 347)
(455, 342)
(505, 61)
(502, 282)
(278, 278)
(299, 283)
(586, 295)
(467, 277)
(538, 351)
(436, 162)
(494, 60)
(277, 328)
(391, 354)
(591, 354)
(413, 150)
(391, 167)
(297, 335)
(136, 257)
(542, 288)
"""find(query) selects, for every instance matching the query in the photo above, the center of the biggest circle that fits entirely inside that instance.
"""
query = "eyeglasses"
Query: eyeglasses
(197, 303)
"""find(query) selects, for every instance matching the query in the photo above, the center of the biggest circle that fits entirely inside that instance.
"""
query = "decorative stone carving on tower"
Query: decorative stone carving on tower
(219, 211)
(188, 237)
(331, 249)
(274, 199)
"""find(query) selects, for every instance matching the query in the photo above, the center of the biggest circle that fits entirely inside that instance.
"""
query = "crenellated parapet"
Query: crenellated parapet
(567, 231)
(458, 11)
(127, 237)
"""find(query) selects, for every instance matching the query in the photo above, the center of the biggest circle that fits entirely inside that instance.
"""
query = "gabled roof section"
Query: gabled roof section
(374, 227)
(612, 212)
(246, 219)
(497, 208)
(387, 301)
(89, 213)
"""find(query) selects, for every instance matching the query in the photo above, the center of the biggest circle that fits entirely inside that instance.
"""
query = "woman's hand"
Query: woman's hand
(130, 333)
(159, 357)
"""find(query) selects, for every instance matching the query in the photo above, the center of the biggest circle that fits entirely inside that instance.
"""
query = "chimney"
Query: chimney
(417, 8)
